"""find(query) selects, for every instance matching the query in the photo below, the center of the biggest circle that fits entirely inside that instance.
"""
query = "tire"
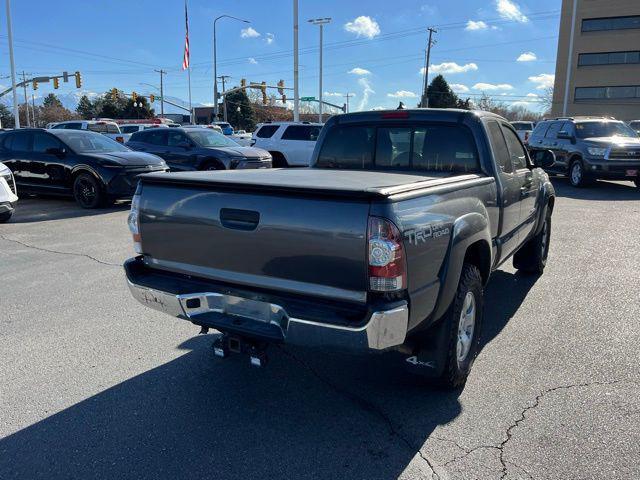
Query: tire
(211, 166)
(278, 160)
(5, 216)
(88, 192)
(577, 174)
(532, 256)
(463, 316)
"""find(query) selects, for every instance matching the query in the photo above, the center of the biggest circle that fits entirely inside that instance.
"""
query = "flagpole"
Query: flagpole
(191, 116)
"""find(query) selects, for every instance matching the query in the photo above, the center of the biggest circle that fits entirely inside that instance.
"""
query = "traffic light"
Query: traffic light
(78, 80)
(281, 91)
(134, 97)
(35, 85)
(243, 82)
(114, 94)
(56, 82)
(152, 98)
(263, 89)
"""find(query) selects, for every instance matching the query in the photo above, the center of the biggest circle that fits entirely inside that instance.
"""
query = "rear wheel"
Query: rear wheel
(463, 321)
(577, 174)
(278, 160)
(532, 256)
(88, 192)
(5, 216)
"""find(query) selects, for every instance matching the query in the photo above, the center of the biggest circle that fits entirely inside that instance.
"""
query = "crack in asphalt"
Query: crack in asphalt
(522, 418)
(97, 260)
(367, 406)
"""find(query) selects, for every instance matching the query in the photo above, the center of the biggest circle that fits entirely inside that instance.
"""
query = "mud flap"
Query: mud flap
(430, 358)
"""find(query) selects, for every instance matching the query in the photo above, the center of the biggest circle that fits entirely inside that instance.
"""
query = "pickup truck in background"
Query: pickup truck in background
(384, 245)
(105, 127)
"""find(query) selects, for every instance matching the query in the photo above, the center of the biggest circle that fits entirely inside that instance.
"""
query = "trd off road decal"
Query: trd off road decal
(421, 235)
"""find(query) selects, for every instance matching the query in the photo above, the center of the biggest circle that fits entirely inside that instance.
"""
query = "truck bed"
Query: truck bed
(356, 183)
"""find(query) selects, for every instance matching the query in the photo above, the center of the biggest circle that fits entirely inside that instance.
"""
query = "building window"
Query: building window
(608, 58)
(611, 23)
(605, 93)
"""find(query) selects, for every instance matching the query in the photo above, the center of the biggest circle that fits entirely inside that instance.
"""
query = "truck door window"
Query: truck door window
(516, 150)
(553, 130)
(499, 145)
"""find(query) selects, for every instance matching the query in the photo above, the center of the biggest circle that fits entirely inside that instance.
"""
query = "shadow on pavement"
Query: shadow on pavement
(43, 209)
(308, 415)
(599, 190)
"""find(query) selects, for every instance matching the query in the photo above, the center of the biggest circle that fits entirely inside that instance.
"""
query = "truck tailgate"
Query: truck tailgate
(272, 240)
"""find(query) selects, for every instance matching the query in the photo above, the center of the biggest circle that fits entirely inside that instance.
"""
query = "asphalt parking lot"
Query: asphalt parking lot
(94, 385)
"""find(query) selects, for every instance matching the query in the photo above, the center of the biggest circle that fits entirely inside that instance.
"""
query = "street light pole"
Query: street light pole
(215, 66)
(320, 22)
(16, 111)
(296, 92)
(162, 74)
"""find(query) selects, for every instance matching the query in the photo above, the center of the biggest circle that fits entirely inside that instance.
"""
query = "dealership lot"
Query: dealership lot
(96, 386)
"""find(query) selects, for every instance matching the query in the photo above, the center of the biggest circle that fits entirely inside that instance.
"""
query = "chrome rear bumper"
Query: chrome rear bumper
(383, 330)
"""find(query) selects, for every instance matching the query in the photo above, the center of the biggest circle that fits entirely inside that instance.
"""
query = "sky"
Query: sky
(374, 50)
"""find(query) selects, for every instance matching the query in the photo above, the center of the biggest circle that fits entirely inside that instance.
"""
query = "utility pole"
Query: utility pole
(425, 98)
(347, 96)
(321, 22)
(223, 78)
(33, 109)
(162, 74)
(296, 93)
(16, 111)
(26, 99)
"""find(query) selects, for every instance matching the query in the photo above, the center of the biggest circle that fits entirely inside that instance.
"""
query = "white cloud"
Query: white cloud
(402, 94)
(363, 26)
(380, 107)
(450, 67)
(458, 87)
(366, 92)
(492, 86)
(511, 11)
(427, 9)
(269, 38)
(359, 71)
(249, 32)
(473, 25)
(532, 95)
(542, 81)
(521, 103)
(527, 57)
(253, 61)
(336, 94)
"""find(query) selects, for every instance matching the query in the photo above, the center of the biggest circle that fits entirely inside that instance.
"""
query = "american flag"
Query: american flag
(185, 58)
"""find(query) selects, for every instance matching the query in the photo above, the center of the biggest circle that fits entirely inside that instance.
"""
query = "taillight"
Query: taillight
(120, 139)
(133, 220)
(526, 137)
(387, 265)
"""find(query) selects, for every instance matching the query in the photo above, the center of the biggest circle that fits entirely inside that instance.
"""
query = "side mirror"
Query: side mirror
(59, 152)
(544, 159)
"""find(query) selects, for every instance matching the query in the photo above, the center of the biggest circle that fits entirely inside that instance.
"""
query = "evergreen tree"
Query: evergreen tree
(245, 118)
(6, 117)
(52, 101)
(142, 110)
(440, 94)
(86, 108)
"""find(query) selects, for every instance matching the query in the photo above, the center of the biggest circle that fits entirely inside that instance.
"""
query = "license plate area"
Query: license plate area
(632, 173)
(196, 304)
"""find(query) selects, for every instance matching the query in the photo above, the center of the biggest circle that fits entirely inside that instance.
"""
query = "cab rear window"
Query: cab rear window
(424, 147)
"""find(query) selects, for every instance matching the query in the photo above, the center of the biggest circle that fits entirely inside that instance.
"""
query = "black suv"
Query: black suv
(198, 149)
(587, 148)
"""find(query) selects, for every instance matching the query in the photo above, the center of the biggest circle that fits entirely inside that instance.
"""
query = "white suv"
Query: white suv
(290, 144)
(107, 128)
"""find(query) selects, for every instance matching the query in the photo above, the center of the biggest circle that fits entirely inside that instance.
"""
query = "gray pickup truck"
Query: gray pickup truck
(383, 245)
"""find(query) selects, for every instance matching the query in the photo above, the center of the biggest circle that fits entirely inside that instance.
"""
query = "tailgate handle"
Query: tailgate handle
(239, 219)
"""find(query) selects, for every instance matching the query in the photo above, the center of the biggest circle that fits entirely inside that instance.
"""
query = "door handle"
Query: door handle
(239, 219)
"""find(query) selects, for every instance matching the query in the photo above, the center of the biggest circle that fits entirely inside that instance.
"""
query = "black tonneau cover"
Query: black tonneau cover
(357, 183)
